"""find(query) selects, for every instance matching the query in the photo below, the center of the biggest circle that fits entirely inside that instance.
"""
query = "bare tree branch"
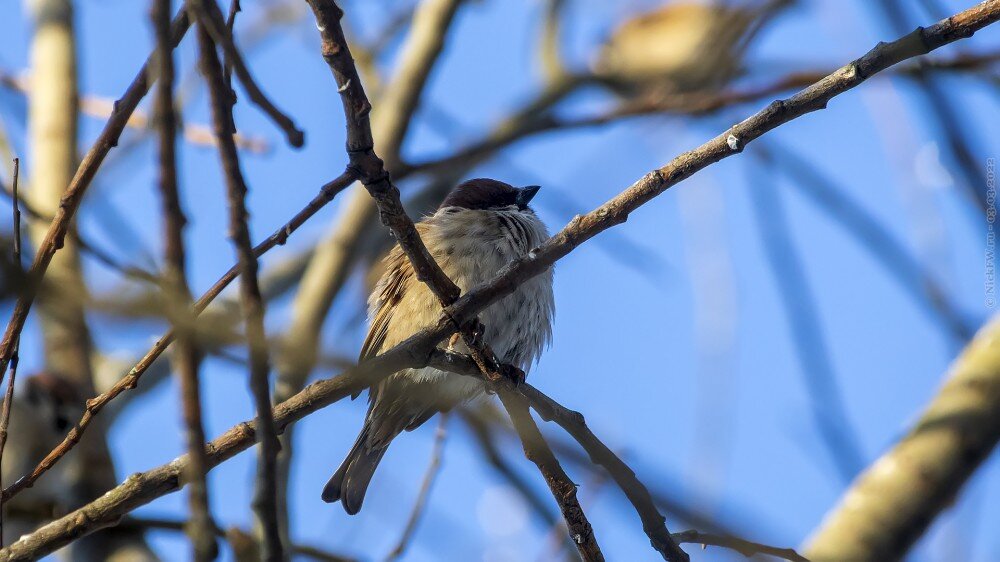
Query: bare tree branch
(8, 397)
(265, 491)
(215, 25)
(185, 358)
(562, 488)
(131, 379)
(303, 550)
(653, 523)
(881, 516)
(95, 106)
(74, 193)
(746, 548)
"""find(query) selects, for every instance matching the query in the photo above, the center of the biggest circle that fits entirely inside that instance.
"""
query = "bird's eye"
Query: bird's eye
(61, 422)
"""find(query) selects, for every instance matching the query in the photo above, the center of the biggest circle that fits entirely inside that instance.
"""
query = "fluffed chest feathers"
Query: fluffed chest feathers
(472, 246)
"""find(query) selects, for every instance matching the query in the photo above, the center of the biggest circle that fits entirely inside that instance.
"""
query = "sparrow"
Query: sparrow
(481, 226)
(683, 47)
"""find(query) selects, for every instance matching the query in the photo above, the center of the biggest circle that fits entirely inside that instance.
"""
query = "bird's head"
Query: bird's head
(487, 194)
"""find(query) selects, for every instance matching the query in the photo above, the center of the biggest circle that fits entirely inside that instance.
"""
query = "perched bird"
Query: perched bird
(480, 227)
(683, 46)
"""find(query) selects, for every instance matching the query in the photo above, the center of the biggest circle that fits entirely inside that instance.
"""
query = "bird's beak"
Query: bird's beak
(526, 194)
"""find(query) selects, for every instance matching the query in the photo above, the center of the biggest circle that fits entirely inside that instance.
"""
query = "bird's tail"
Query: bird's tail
(350, 482)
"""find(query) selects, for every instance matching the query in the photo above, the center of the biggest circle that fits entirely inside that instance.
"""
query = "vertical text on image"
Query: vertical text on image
(989, 285)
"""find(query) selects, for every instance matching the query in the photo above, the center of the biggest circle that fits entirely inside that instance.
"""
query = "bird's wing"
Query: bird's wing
(390, 290)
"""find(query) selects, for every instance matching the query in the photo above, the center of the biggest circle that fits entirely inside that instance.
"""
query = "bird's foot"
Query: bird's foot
(512, 374)
(477, 330)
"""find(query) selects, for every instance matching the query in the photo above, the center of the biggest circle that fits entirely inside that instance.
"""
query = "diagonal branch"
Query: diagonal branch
(265, 491)
(186, 359)
(70, 202)
(748, 549)
(653, 522)
(361, 152)
(8, 397)
(893, 502)
(537, 450)
(131, 379)
(209, 14)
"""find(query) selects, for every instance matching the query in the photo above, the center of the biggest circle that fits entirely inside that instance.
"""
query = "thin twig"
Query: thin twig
(303, 550)
(8, 397)
(748, 549)
(360, 149)
(209, 14)
(415, 351)
(699, 103)
(562, 488)
(95, 106)
(178, 296)
(264, 501)
(101, 255)
(131, 379)
(483, 433)
(653, 522)
(70, 201)
(425, 491)
(227, 63)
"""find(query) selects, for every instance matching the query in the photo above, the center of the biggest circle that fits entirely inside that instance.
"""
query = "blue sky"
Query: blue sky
(733, 432)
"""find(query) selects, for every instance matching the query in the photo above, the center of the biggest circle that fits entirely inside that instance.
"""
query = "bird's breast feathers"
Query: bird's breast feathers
(471, 246)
